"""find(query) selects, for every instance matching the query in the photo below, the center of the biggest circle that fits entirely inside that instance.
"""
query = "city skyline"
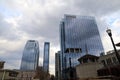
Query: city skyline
(39, 20)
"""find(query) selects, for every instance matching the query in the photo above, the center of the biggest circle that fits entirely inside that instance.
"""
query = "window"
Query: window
(103, 61)
(114, 60)
(12, 74)
(71, 50)
(109, 61)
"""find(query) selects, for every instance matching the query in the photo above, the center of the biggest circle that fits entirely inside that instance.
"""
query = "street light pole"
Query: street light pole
(3, 76)
(110, 34)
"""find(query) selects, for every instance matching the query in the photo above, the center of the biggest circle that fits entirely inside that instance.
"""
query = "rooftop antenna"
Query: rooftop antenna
(86, 48)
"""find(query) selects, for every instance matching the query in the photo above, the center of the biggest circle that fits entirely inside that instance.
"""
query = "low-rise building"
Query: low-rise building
(87, 69)
(6, 74)
(111, 65)
(109, 59)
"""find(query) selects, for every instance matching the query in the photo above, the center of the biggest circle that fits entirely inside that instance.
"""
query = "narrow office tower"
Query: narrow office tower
(46, 56)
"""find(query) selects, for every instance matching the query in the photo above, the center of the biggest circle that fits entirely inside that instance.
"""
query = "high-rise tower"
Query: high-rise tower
(57, 66)
(77, 32)
(30, 58)
(46, 56)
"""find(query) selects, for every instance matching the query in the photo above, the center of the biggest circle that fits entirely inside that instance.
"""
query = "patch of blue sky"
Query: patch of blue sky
(8, 13)
(111, 19)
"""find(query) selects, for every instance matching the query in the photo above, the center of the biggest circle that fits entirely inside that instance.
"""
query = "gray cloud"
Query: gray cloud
(99, 7)
(7, 30)
(47, 25)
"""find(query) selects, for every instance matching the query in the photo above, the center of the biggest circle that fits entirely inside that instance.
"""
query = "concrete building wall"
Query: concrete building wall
(88, 70)
(8, 74)
(109, 59)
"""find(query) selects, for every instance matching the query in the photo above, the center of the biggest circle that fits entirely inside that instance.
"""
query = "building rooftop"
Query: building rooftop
(88, 57)
(118, 44)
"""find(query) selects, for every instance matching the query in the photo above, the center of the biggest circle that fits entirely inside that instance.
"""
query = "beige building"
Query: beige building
(109, 59)
(111, 65)
(6, 74)
(87, 69)
(93, 68)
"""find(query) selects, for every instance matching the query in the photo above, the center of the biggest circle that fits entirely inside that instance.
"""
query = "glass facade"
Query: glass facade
(30, 58)
(76, 34)
(46, 56)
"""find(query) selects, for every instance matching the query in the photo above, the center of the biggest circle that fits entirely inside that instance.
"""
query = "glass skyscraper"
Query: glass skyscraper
(30, 58)
(46, 56)
(78, 34)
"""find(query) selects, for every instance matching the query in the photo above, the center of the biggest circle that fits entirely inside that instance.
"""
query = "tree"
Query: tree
(41, 74)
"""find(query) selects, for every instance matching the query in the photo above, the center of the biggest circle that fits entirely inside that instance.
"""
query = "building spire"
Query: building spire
(86, 48)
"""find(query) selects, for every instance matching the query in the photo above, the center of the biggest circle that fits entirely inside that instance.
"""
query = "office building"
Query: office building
(57, 66)
(46, 57)
(30, 58)
(77, 33)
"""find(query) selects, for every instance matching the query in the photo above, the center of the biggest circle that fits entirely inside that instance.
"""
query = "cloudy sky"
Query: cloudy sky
(21, 20)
